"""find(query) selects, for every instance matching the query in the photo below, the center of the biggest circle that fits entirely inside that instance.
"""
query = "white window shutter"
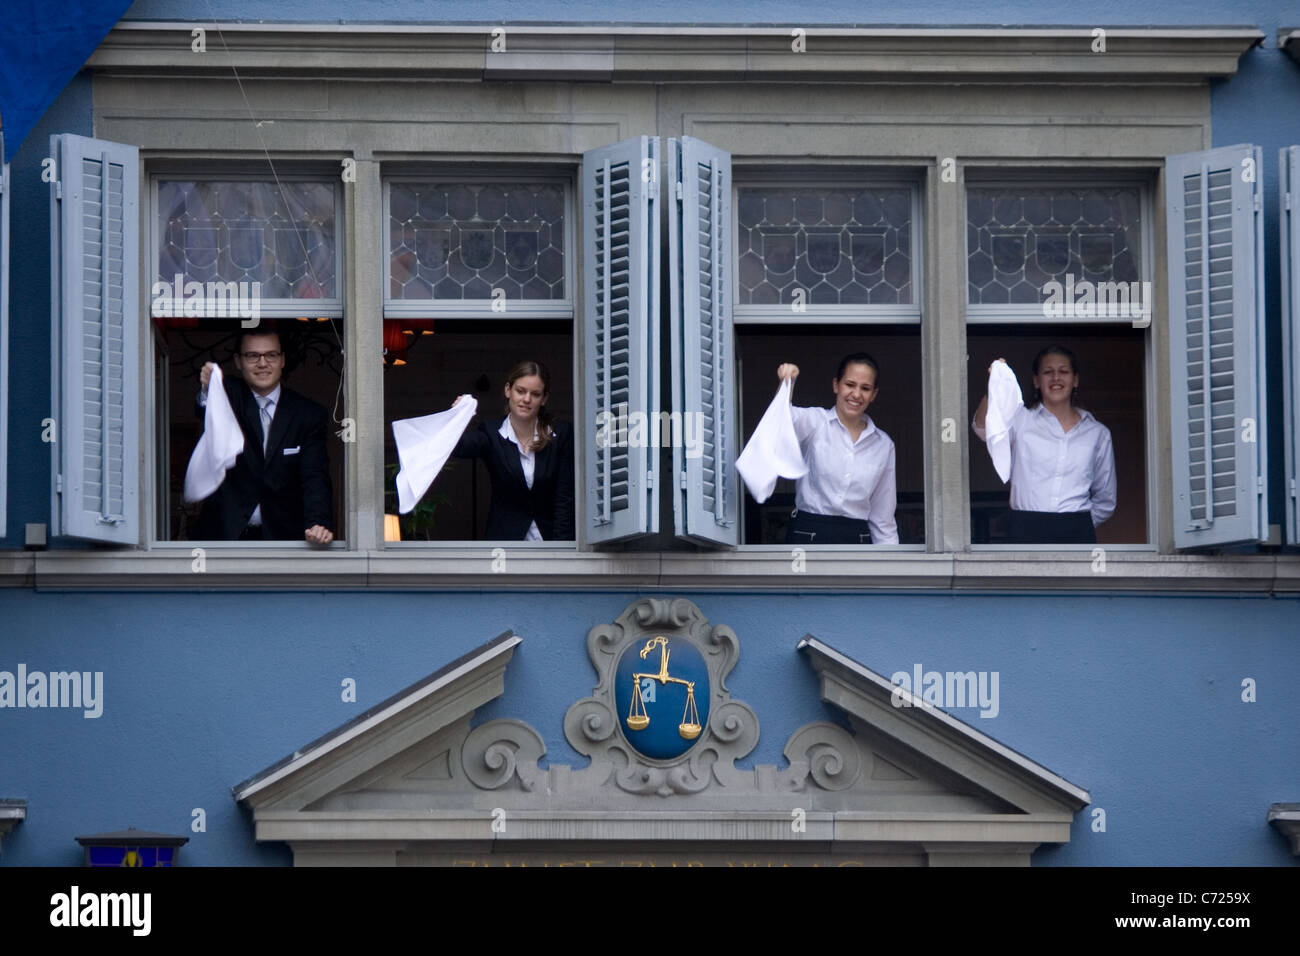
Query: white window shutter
(1289, 241)
(702, 287)
(620, 208)
(95, 250)
(1216, 314)
(4, 337)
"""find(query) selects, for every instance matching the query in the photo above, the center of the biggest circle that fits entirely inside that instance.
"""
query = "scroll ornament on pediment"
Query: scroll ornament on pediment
(660, 721)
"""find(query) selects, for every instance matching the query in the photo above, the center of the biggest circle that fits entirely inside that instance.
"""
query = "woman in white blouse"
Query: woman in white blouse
(848, 495)
(1062, 462)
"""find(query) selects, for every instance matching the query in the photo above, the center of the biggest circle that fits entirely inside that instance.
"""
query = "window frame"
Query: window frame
(982, 175)
(494, 173)
(153, 456)
(749, 176)
(224, 171)
(565, 175)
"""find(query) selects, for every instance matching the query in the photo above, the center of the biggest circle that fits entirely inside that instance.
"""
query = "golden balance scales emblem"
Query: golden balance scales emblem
(638, 719)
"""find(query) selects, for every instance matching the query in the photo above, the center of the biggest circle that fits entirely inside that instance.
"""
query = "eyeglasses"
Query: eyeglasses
(253, 358)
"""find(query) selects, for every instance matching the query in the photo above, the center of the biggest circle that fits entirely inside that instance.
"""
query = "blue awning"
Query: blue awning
(41, 48)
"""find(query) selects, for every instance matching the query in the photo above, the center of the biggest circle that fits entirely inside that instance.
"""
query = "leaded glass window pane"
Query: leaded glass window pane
(1019, 239)
(841, 246)
(462, 240)
(279, 234)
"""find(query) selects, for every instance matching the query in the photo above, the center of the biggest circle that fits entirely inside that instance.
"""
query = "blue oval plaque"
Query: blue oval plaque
(661, 690)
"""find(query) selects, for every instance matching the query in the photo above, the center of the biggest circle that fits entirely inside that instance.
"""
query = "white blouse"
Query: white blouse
(1059, 471)
(846, 477)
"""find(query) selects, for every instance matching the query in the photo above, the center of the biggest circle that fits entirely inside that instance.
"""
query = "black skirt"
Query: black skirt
(808, 528)
(1046, 527)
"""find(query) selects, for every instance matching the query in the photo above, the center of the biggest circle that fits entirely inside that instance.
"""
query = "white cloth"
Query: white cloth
(423, 447)
(1004, 401)
(1058, 471)
(846, 477)
(773, 450)
(528, 462)
(219, 445)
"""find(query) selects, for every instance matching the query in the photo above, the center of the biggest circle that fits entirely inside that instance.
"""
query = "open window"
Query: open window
(828, 264)
(480, 275)
(240, 251)
(1063, 260)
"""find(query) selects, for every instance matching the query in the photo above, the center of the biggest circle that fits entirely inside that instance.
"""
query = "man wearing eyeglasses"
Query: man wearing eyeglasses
(279, 487)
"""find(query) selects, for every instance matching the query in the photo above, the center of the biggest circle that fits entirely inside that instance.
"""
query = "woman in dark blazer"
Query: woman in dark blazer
(529, 457)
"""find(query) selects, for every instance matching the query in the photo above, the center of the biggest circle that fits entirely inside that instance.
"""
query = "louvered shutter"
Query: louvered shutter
(1289, 241)
(4, 337)
(1215, 231)
(94, 257)
(703, 354)
(621, 337)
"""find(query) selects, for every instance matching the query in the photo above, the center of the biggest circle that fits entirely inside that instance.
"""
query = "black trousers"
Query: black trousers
(808, 528)
(1045, 527)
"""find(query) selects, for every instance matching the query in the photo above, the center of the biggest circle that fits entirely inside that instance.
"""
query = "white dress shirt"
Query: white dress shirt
(527, 459)
(846, 477)
(1059, 471)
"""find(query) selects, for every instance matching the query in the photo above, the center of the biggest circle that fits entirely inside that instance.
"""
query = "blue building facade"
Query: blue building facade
(1138, 696)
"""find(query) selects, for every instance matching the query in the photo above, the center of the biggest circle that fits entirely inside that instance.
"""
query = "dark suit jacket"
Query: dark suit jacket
(514, 506)
(293, 488)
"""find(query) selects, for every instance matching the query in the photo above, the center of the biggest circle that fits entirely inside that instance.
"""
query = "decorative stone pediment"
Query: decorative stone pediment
(413, 781)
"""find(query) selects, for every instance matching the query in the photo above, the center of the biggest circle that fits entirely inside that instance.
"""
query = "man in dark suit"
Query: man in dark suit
(279, 487)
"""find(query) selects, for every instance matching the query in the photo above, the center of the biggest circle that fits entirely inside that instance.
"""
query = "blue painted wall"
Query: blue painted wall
(1136, 699)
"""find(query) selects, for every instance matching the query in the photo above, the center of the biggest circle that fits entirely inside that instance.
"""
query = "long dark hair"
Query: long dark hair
(1038, 361)
(544, 417)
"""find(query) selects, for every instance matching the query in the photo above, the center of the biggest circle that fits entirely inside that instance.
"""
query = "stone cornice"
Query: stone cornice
(753, 570)
(668, 52)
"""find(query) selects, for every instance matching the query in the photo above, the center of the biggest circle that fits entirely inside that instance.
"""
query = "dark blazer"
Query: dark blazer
(514, 505)
(293, 488)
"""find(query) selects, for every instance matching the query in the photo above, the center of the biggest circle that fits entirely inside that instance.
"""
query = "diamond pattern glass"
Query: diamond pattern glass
(279, 234)
(462, 240)
(1019, 239)
(841, 246)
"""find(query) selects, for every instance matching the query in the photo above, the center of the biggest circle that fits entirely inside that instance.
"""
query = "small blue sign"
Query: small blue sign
(661, 690)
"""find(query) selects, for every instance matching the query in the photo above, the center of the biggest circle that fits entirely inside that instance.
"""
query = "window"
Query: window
(1062, 261)
(828, 265)
(479, 277)
(238, 252)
